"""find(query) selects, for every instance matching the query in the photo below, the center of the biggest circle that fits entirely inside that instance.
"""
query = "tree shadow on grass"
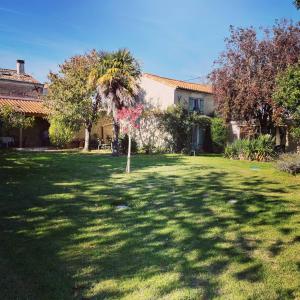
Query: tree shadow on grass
(252, 274)
(42, 205)
(147, 247)
(67, 238)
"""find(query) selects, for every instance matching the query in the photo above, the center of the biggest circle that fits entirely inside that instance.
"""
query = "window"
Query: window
(196, 104)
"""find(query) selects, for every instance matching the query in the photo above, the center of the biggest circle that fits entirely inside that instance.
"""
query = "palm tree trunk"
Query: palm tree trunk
(87, 137)
(115, 143)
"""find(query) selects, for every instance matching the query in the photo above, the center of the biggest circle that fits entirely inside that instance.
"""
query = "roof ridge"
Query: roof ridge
(180, 84)
(168, 78)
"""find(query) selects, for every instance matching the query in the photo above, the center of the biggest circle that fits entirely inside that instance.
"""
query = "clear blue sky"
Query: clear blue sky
(174, 38)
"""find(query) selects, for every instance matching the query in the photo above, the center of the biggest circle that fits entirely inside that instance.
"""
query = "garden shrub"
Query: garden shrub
(124, 145)
(260, 149)
(178, 122)
(230, 151)
(60, 134)
(174, 121)
(295, 135)
(264, 148)
(289, 163)
(218, 134)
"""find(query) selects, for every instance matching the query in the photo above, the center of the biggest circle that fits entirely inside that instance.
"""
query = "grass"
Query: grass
(196, 228)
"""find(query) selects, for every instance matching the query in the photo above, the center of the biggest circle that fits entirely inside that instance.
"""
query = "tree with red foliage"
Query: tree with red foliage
(244, 78)
(128, 118)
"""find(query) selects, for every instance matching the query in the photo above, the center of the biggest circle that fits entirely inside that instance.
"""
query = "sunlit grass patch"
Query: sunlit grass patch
(192, 228)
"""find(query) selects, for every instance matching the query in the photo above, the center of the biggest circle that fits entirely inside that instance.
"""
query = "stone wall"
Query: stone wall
(19, 89)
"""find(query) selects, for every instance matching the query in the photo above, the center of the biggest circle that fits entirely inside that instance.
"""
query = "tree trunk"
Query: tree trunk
(115, 143)
(128, 154)
(87, 137)
(21, 138)
(264, 126)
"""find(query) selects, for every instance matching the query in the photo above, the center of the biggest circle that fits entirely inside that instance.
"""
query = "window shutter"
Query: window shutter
(196, 107)
(191, 104)
(201, 106)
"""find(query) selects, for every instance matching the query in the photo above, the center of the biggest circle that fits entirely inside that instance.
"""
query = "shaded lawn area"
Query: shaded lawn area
(196, 228)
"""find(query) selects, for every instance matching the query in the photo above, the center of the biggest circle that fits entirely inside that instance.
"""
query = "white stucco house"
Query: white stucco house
(161, 92)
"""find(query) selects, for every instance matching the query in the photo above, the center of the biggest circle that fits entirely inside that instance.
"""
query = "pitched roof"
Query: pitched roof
(204, 88)
(8, 74)
(30, 106)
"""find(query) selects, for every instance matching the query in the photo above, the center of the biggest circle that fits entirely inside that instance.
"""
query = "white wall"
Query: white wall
(157, 94)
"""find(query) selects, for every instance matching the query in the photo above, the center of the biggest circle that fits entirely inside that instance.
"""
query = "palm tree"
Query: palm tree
(117, 80)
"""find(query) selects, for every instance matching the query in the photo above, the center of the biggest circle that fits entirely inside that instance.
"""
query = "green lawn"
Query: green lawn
(196, 228)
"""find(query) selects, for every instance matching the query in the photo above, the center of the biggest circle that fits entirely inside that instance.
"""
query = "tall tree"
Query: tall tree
(287, 97)
(71, 98)
(244, 75)
(117, 80)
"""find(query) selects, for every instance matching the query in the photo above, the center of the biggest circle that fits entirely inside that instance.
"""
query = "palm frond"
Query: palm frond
(118, 77)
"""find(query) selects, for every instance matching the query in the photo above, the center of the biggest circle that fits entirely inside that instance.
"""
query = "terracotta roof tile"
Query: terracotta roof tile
(9, 74)
(29, 106)
(181, 84)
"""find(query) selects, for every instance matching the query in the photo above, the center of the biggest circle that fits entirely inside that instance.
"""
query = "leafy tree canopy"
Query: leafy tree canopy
(218, 134)
(60, 134)
(11, 118)
(244, 77)
(287, 96)
(70, 96)
(117, 80)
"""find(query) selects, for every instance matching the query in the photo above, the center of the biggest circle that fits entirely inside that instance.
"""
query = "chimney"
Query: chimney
(20, 66)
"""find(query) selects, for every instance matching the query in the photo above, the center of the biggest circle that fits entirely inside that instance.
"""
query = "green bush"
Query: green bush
(264, 148)
(261, 149)
(59, 133)
(175, 122)
(218, 134)
(289, 163)
(230, 151)
(240, 149)
(295, 133)
(178, 122)
(124, 145)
